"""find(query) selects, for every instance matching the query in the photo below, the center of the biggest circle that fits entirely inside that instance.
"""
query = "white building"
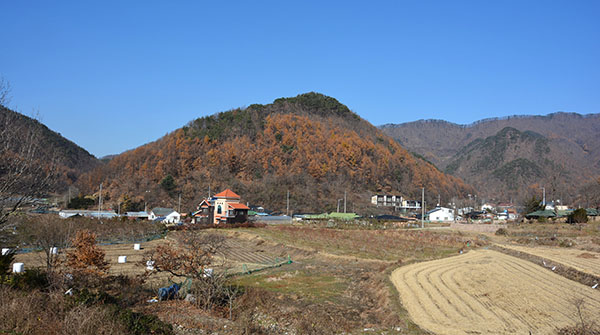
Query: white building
(396, 201)
(386, 200)
(488, 207)
(67, 213)
(137, 215)
(166, 215)
(440, 214)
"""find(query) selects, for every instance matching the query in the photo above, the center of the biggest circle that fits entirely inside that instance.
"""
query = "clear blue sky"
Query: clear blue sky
(116, 74)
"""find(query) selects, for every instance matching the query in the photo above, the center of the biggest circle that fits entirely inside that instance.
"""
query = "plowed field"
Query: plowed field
(584, 261)
(487, 292)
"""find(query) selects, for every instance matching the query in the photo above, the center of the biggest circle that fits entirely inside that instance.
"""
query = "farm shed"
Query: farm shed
(539, 214)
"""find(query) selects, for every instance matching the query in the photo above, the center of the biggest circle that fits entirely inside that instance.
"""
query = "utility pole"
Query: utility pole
(100, 202)
(287, 208)
(344, 201)
(423, 207)
(439, 201)
(179, 204)
(209, 191)
(544, 197)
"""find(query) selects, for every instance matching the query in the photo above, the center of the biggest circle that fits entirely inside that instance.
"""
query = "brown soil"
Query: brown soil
(587, 255)
(488, 292)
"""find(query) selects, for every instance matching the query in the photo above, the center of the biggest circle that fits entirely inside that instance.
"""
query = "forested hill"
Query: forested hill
(311, 145)
(52, 148)
(509, 157)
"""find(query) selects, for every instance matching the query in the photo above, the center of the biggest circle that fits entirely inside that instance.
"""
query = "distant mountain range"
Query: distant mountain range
(315, 147)
(311, 145)
(508, 158)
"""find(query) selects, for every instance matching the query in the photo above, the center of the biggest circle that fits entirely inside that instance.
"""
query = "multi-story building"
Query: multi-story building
(224, 207)
(396, 201)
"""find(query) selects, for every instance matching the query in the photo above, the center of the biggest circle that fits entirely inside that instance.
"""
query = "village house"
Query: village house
(440, 214)
(224, 207)
(386, 200)
(487, 207)
(396, 201)
(166, 215)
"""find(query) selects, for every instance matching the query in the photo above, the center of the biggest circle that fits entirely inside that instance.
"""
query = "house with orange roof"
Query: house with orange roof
(224, 207)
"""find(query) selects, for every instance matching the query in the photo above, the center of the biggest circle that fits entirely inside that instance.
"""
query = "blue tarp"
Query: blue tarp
(166, 293)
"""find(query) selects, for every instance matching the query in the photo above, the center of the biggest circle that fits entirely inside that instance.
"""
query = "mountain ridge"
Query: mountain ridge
(573, 141)
(310, 144)
(491, 119)
(70, 159)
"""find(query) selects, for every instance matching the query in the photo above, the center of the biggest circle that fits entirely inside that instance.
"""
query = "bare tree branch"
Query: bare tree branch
(27, 169)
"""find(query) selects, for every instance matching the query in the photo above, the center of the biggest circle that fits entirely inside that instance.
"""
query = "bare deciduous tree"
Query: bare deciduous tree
(47, 232)
(192, 256)
(4, 92)
(26, 171)
(188, 256)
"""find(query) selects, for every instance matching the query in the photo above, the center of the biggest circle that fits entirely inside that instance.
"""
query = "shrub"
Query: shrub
(578, 216)
(5, 262)
(501, 231)
(140, 324)
(34, 312)
(28, 280)
(87, 256)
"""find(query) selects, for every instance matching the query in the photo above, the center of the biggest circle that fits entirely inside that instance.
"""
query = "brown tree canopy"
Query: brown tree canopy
(311, 145)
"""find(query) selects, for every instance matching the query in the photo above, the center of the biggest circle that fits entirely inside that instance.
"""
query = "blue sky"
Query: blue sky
(113, 75)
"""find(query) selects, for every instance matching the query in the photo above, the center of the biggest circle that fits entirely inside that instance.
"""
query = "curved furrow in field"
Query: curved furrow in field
(423, 297)
(476, 303)
(488, 292)
(553, 292)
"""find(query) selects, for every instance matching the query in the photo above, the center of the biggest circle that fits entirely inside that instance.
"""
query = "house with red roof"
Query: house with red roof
(224, 207)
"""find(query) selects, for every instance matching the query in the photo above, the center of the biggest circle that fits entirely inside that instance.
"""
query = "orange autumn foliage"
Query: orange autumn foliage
(316, 149)
(86, 256)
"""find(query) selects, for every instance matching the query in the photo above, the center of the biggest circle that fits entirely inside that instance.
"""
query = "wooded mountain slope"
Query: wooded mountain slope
(311, 145)
(51, 149)
(505, 158)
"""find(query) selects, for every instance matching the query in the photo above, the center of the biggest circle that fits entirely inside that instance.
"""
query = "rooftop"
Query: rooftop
(238, 206)
(161, 211)
(229, 194)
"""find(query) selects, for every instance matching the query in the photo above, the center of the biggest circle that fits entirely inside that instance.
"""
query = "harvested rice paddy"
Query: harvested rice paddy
(488, 292)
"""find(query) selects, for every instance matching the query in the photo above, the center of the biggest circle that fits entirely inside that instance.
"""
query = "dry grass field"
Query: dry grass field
(236, 256)
(584, 261)
(376, 245)
(113, 251)
(487, 292)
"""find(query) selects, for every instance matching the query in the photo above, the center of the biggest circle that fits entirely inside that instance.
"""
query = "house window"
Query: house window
(219, 209)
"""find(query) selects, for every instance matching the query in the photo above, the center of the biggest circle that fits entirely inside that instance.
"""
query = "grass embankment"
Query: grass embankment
(384, 245)
(584, 236)
(346, 273)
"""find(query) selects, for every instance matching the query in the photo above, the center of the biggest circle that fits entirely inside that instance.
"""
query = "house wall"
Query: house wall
(216, 215)
(441, 215)
(172, 218)
(241, 216)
